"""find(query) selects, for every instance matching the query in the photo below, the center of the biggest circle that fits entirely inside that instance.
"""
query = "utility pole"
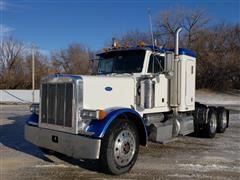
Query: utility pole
(33, 72)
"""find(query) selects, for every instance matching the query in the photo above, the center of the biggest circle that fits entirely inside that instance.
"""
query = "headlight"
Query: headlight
(86, 116)
(89, 114)
(34, 108)
(93, 114)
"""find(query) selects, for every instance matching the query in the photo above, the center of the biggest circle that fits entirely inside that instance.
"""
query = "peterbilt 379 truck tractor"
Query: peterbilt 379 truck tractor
(138, 94)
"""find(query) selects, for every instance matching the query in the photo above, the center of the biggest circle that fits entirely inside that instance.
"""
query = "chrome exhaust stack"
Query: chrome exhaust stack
(176, 41)
(174, 80)
(174, 85)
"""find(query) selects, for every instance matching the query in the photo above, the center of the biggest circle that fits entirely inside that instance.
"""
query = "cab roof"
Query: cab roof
(182, 51)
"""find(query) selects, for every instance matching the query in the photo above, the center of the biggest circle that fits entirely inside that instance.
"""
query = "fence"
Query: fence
(19, 96)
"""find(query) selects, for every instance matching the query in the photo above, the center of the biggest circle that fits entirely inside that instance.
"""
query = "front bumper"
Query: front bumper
(79, 147)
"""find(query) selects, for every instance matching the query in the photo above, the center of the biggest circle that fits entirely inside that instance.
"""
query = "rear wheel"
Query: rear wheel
(200, 115)
(211, 126)
(222, 120)
(120, 147)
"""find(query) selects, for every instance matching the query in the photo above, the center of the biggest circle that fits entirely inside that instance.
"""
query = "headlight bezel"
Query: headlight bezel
(86, 116)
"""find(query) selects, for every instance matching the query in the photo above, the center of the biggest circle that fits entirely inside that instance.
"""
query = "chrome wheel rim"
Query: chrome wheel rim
(224, 119)
(124, 147)
(213, 123)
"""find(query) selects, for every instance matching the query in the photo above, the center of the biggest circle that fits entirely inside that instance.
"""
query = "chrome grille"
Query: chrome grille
(56, 104)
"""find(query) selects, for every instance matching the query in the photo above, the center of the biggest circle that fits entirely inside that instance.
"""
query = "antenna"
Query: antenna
(33, 71)
(151, 29)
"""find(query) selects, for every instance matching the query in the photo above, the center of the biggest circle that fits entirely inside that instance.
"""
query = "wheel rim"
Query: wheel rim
(224, 119)
(213, 123)
(124, 147)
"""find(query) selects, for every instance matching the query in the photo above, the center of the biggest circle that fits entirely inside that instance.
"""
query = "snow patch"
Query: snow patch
(210, 97)
(215, 158)
(206, 168)
(190, 176)
(54, 165)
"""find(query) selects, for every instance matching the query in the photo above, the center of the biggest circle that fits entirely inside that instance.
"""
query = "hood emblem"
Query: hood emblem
(108, 88)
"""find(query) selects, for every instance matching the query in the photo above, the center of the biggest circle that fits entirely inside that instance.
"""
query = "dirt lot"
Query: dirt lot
(186, 158)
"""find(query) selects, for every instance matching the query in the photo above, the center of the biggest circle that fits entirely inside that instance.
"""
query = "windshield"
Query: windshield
(121, 62)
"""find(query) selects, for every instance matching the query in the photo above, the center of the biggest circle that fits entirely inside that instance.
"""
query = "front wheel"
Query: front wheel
(120, 147)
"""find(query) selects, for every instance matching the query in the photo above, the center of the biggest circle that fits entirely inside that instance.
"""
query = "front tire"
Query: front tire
(120, 146)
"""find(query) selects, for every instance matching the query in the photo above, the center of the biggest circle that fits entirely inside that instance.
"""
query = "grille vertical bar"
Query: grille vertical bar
(44, 104)
(56, 104)
(51, 103)
(60, 103)
(68, 113)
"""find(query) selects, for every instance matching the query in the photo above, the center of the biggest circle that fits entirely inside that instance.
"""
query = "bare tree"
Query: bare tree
(193, 21)
(16, 65)
(74, 59)
(217, 47)
(166, 23)
(218, 65)
(132, 38)
(11, 53)
(42, 68)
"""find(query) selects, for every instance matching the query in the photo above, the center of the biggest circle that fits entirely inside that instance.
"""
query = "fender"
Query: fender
(99, 127)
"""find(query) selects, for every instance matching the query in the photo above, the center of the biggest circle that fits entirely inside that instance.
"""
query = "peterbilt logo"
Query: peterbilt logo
(108, 88)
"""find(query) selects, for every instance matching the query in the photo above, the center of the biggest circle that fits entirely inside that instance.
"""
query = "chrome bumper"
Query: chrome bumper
(69, 144)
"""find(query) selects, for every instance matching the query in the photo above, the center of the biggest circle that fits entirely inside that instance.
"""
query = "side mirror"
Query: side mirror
(169, 63)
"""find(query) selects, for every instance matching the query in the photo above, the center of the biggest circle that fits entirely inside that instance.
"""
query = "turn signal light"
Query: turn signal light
(102, 114)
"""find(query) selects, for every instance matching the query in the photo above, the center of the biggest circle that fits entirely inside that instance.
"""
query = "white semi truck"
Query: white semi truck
(138, 94)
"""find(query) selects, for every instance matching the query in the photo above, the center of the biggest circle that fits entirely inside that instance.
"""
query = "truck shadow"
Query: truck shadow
(12, 136)
(92, 165)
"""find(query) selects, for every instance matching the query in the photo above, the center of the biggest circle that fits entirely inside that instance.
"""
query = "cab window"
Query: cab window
(156, 64)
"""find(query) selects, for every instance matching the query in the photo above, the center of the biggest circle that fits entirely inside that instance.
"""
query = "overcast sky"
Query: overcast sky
(53, 24)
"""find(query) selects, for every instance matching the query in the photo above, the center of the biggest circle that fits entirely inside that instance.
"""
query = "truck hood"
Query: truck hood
(102, 92)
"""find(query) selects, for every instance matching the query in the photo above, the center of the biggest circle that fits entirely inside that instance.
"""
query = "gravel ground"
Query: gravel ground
(186, 158)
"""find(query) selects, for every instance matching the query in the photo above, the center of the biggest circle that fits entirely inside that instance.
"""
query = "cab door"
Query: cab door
(155, 67)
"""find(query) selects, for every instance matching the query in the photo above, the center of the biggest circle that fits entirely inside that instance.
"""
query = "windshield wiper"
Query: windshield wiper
(122, 73)
(113, 73)
(102, 73)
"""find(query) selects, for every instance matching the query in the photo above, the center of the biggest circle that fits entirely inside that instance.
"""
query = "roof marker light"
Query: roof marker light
(126, 45)
(115, 44)
(105, 50)
(141, 44)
